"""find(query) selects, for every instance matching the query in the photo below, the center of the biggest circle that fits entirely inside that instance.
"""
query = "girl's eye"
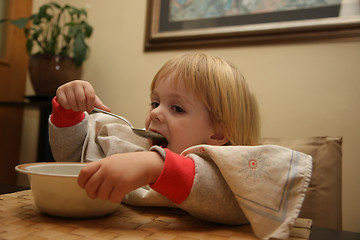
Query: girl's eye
(155, 104)
(178, 109)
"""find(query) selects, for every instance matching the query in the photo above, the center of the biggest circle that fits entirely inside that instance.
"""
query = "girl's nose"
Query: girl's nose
(157, 114)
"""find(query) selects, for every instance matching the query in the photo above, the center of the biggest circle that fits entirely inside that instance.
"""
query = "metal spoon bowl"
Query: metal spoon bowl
(138, 131)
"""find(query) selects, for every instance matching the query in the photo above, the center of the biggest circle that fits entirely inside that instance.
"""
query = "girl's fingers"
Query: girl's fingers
(80, 97)
(77, 95)
(116, 195)
(71, 100)
(93, 184)
(61, 98)
(90, 97)
(105, 189)
(100, 104)
(66, 96)
(87, 172)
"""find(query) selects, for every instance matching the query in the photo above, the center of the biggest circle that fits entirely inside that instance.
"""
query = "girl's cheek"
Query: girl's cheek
(147, 121)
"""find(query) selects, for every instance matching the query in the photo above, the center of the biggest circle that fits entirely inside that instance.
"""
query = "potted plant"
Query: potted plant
(56, 45)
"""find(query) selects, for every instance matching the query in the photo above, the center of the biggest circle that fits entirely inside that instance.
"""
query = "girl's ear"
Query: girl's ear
(218, 139)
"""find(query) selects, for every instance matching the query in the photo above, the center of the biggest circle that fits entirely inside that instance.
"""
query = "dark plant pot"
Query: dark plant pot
(48, 72)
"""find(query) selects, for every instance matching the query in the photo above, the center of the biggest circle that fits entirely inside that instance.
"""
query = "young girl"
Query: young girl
(208, 163)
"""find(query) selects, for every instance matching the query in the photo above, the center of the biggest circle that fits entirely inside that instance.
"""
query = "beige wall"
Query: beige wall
(310, 89)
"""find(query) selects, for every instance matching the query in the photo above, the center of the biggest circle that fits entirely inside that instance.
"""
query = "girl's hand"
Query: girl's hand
(79, 95)
(114, 176)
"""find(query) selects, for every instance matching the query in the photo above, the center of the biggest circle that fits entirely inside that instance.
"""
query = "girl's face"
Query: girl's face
(179, 116)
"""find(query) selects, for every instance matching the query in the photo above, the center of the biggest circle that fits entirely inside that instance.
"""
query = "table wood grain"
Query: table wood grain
(20, 219)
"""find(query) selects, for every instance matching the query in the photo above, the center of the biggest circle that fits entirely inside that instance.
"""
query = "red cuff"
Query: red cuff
(62, 117)
(177, 177)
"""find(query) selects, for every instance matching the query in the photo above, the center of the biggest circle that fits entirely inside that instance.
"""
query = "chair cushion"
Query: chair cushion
(322, 203)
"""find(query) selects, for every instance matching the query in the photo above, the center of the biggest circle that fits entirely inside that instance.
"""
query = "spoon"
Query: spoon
(140, 132)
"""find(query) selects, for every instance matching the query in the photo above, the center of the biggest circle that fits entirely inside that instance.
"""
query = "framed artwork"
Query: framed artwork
(172, 24)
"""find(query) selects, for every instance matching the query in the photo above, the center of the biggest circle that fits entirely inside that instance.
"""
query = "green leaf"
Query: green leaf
(79, 49)
(78, 13)
(88, 29)
(66, 7)
(52, 45)
(48, 17)
(36, 33)
(56, 30)
(55, 5)
(70, 11)
(83, 12)
(26, 31)
(42, 11)
(72, 29)
(29, 46)
(20, 23)
(67, 39)
(32, 16)
(36, 19)
(64, 51)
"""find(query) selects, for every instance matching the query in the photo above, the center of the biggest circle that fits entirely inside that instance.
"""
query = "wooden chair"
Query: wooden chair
(322, 203)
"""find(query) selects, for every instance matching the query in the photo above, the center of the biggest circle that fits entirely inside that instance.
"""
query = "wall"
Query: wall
(304, 89)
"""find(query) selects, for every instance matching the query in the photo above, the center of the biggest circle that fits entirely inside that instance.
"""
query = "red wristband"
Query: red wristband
(62, 117)
(177, 177)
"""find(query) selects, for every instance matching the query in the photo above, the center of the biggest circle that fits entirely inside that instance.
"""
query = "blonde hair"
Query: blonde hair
(222, 89)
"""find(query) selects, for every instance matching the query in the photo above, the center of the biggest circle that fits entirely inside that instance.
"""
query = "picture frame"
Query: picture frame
(301, 25)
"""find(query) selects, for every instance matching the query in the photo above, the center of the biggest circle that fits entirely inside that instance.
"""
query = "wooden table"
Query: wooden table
(20, 219)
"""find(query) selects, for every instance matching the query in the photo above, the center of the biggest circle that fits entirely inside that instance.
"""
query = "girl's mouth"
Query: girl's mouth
(160, 142)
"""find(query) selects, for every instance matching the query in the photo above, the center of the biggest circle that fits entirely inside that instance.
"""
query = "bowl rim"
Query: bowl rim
(23, 168)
